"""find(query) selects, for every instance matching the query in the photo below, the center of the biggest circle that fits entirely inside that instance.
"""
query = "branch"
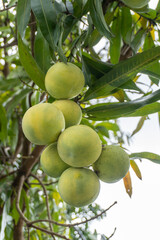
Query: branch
(19, 187)
(74, 224)
(8, 174)
(45, 184)
(47, 205)
(7, 8)
(29, 224)
(9, 44)
(50, 232)
(112, 234)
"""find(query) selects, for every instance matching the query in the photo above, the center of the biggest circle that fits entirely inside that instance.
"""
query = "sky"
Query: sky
(138, 217)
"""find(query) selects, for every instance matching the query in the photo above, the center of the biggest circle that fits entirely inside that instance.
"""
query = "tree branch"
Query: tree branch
(47, 204)
(7, 8)
(74, 224)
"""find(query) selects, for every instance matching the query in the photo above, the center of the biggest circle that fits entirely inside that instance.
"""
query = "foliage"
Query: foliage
(36, 34)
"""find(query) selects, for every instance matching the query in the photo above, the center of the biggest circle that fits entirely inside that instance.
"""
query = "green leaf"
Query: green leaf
(126, 25)
(96, 67)
(146, 155)
(115, 44)
(103, 130)
(59, 47)
(42, 52)
(139, 125)
(30, 65)
(106, 111)
(5, 218)
(153, 71)
(3, 124)
(136, 169)
(6, 84)
(23, 15)
(98, 19)
(138, 39)
(121, 73)
(146, 110)
(14, 134)
(12, 104)
(69, 22)
(46, 16)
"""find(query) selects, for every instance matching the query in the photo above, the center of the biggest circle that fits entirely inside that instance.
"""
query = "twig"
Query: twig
(29, 224)
(74, 224)
(45, 184)
(19, 187)
(47, 205)
(14, 43)
(7, 8)
(8, 174)
(50, 232)
(28, 233)
(112, 233)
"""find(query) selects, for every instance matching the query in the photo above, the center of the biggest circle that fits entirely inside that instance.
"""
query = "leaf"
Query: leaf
(42, 52)
(30, 65)
(59, 47)
(136, 169)
(128, 184)
(106, 111)
(147, 155)
(139, 125)
(7, 84)
(153, 71)
(3, 124)
(94, 69)
(146, 110)
(103, 130)
(5, 218)
(95, 66)
(126, 25)
(23, 15)
(11, 105)
(69, 22)
(46, 16)
(115, 44)
(110, 126)
(98, 19)
(121, 72)
(138, 39)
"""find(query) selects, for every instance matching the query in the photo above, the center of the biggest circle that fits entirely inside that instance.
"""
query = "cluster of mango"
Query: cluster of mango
(71, 147)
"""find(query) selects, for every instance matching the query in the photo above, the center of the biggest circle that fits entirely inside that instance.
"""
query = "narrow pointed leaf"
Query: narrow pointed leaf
(23, 15)
(121, 73)
(98, 18)
(42, 52)
(138, 39)
(146, 155)
(139, 125)
(126, 25)
(128, 184)
(115, 44)
(146, 110)
(153, 71)
(11, 105)
(106, 111)
(95, 66)
(3, 124)
(46, 16)
(136, 169)
(30, 65)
